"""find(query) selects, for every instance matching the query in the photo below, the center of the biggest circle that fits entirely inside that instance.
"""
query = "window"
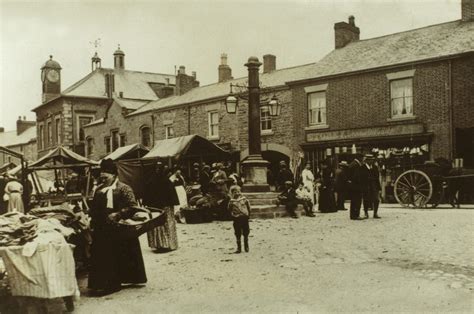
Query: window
(214, 124)
(49, 129)
(57, 126)
(89, 146)
(107, 144)
(169, 131)
(115, 139)
(265, 119)
(83, 120)
(317, 108)
(146, 136)
(401, 97)
(41, 137)
(123, 139)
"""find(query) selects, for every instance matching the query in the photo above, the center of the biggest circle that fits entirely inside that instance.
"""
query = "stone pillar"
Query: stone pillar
(254, 167)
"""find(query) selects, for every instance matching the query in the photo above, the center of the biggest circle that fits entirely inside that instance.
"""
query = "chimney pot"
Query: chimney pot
(2, 129)
(194, 74)
(182, 69)
(224, 71)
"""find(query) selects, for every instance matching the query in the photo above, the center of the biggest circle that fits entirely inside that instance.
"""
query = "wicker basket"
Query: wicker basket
(158, 218)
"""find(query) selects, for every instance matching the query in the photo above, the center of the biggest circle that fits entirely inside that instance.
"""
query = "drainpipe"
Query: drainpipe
(450, 106)
(189, 120)
(153, 129)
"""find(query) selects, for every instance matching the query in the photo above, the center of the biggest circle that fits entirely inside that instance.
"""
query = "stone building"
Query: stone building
(62, 114)
(202, 111)
(22, 140)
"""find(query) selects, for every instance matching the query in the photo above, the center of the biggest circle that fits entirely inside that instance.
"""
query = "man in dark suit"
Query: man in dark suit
(355, 186)
(371, 185)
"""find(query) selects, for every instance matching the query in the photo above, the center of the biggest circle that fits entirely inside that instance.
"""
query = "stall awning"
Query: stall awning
(189, 145)
(128, 152)
(62, 156)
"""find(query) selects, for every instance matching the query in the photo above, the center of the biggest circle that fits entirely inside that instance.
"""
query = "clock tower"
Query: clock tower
(51, 79)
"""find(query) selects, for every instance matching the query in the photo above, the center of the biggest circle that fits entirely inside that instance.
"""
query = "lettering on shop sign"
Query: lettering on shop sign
(392, 130)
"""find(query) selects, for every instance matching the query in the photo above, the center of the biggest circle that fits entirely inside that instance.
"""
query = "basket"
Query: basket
(134, 231)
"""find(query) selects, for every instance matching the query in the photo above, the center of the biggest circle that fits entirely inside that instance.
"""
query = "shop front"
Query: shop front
(397, 148)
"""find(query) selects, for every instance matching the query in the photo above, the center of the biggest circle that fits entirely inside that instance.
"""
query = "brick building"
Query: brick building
(62, 115)
(22, 140)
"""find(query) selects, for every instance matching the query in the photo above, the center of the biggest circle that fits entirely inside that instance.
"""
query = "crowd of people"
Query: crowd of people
(329, 188)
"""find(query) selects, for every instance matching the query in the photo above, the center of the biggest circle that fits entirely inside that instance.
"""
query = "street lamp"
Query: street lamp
(254, 166)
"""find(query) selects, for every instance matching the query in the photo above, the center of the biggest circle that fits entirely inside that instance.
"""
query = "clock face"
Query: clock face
(53, 76)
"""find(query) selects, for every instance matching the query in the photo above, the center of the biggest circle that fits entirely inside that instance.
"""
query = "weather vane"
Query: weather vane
(96, 43)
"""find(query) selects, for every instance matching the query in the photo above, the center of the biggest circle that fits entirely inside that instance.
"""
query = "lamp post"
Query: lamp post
(254, 167)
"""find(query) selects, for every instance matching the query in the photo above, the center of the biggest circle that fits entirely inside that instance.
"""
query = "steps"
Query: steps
(265, 205)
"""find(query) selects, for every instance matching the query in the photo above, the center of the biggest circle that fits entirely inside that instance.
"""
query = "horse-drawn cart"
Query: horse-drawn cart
(431, 184)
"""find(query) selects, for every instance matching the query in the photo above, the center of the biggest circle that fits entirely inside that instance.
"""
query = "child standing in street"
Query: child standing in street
(239, 207)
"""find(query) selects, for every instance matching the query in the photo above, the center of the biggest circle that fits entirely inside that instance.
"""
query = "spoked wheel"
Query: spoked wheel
(413, 187)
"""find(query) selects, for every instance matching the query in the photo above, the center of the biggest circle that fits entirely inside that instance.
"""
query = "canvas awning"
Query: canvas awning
(189, 146)
(61, 157)
(128, 152)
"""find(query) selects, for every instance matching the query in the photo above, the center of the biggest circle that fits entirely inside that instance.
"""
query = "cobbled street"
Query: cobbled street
(410, 260)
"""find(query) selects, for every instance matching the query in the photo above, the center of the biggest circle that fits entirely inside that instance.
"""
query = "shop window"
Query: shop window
(317, 108)
(169, 131)
(145, 134)
(89, 146)
(107, 144)
(401, 98)
(265, 119)
(213, 124)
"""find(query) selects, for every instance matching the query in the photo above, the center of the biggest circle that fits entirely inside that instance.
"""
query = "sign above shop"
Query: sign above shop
(375, 132)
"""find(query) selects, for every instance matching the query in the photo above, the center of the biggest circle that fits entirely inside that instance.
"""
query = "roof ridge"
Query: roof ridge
(407, 31)
(141, 72)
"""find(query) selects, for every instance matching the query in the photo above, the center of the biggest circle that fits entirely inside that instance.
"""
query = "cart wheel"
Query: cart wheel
(413, 187)
(69, 302)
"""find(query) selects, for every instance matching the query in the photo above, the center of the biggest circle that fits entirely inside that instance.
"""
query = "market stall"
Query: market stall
(132, 151)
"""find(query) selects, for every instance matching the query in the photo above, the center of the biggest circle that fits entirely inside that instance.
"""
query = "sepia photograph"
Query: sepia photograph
(236, 156)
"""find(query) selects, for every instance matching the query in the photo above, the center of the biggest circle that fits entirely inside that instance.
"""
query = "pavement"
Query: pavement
(411, 260)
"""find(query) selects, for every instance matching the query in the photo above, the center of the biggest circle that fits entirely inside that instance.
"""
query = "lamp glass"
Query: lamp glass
(274, 107)
(231, 104)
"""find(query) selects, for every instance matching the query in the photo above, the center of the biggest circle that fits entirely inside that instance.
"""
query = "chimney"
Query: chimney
(346, 33)
(22, 125)
(2, 129)
(184, 82)
(109, 84)
(269, 63)
(467, 10)
(224, 71)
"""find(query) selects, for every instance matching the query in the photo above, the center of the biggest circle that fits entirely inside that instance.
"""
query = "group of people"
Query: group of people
(358, 182)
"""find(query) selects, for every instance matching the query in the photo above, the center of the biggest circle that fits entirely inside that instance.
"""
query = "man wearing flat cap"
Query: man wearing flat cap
(372, 187)
(355, 186)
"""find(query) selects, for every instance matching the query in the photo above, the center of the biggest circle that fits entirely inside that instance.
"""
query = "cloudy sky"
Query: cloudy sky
(157, 36)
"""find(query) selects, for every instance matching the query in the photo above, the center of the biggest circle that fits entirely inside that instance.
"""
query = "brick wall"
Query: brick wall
(463, 92)
(363, 100)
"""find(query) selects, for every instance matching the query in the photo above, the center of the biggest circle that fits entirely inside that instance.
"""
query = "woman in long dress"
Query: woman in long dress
(14, 191)
(327, 202)
(308, 181)
(114, 260)
(179, 185)
(160, 193)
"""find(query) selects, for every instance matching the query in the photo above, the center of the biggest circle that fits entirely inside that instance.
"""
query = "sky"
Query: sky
(158, 35)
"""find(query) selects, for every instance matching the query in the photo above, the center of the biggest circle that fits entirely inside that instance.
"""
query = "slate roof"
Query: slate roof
(272, 79)
(10, 138)
(133, 84)
(435, 41)
(425, 43)
(130, 103)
